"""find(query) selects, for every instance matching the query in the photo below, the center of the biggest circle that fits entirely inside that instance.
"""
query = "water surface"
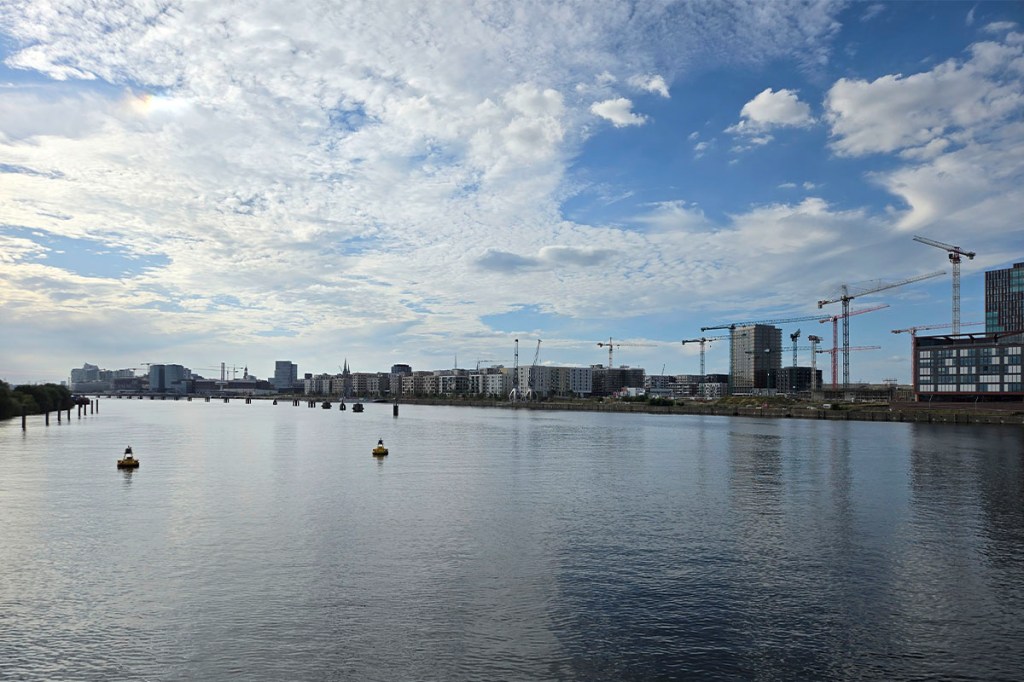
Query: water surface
(263, 542)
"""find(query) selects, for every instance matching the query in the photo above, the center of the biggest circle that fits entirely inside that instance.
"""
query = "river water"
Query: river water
(263, 542)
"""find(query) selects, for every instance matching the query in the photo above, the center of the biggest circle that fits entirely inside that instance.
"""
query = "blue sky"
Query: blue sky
(390, 182)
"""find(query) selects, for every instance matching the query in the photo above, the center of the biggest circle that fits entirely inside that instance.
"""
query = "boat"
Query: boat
(128, 461)
(326, 405)
(358, 407)
(380, 450)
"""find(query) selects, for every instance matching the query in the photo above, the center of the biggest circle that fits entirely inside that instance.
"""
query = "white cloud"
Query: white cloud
(1000, 26)
(896, 112)
(652, 83)
(619, 111)
(770, 109)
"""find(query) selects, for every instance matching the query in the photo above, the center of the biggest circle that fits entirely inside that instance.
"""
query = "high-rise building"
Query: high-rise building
(1004, 299)
(286, 374)
(168, 378)
(756, 357)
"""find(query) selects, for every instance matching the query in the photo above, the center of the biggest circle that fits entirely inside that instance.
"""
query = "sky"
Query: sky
(425, 182)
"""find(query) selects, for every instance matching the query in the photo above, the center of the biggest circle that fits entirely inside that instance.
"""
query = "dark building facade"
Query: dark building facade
(797, 379)
(977, 367)
(1004, 299)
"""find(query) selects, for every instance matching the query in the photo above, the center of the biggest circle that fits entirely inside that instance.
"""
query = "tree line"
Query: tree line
(35, 398)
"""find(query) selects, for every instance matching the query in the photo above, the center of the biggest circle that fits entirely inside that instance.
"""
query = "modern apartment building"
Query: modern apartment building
(977, 366)
(755, 358)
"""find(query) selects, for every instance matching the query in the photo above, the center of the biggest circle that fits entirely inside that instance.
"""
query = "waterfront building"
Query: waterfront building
(755, 358)
(713, 386)
(977, 367)
(1004, 299)
(607, 381)
(169, 379)
(797, 379)
(544, 381)
(493, 382)
(286, 374)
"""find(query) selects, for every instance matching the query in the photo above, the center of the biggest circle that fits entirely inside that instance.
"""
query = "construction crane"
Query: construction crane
(793, 337)
(955, 252)
(530, 380)
(703, 341)
(846, 296)
(835, 333)
(516, 394)
(815, 340)
(913, 340)
(619, 345)
(732, 331)
(834, 351)
(481, 360)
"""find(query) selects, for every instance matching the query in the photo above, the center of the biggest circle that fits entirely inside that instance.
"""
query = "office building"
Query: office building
(1004, 299)
(286, 375)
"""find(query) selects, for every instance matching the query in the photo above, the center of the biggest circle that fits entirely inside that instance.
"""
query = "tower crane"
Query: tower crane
(617, 344)
(955, 252)
(846, 296)
(835, 335)
(531, 384)
(815, 340)
(913, 341)
(516, 394)
(704, 340)
(793, 337)
(732, 331)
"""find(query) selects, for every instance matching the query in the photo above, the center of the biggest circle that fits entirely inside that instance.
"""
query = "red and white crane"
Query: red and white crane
(846, 295)
(835, 337)
(955, 252)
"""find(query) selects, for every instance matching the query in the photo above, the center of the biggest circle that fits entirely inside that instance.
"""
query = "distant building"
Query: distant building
(286, 375)
(797, 379)
(607, 381)
(169, 379)
(755, 358)
(545, 381)
(1004, 299)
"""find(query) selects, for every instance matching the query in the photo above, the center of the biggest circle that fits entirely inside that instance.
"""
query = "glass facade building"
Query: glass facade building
(1004, 299)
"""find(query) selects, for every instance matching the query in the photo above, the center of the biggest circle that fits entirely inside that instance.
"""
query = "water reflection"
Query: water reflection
(508, 544)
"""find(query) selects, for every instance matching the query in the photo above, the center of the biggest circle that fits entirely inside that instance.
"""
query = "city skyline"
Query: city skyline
(392, 183)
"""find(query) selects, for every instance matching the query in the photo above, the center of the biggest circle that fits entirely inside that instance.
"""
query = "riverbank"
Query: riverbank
(896, 412)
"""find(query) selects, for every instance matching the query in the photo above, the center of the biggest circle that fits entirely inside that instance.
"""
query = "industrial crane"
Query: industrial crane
(815, 340)
(835, 334)
(954, 257)
(530, 380)
(845, 297)
(732, 328)
(516, 394)
(913, 340)
(703, 341)
(793, 337)
(619, 345)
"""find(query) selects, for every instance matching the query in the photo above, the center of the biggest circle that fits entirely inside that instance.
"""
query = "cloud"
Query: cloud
(872, 11)
(955, 99)
(619, 111)
(771, 109)
(655, 84)
(1000, 26)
